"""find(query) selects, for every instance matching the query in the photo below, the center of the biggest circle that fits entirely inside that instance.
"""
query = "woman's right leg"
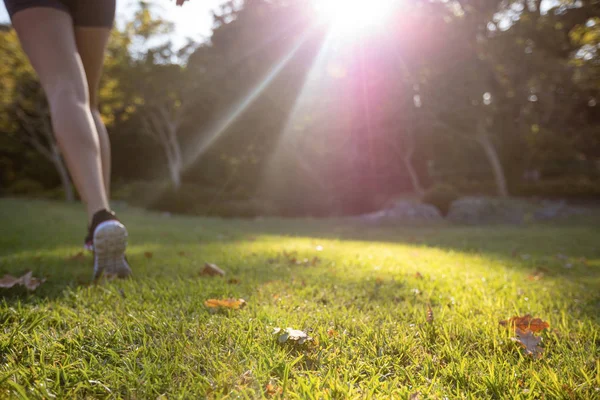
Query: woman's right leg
(46, 35)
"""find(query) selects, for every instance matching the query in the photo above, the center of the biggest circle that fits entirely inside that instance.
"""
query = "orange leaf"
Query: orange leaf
(212, 270)
(235, 304)
(272, 390)
(526, 323)
(331, 332)
(537, 274)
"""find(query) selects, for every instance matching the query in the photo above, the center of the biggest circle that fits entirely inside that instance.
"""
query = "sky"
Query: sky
(192, 20)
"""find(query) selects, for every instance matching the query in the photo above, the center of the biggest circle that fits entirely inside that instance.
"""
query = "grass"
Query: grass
(363, 303)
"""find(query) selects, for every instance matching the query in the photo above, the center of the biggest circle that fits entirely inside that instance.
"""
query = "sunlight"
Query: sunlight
(351, 18)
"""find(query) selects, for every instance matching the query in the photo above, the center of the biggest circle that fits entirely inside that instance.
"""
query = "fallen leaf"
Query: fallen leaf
(77, 257)
(234, 304)
(537, 274)
(429, 314)
(526, 323)
(294, 335)
(246, 378)
(233, 281)
(272, 390)
(331, 332)
(148, 254)
(212, 270)
(8, 281)
(418, 275)
(529, 342)
(28, 281)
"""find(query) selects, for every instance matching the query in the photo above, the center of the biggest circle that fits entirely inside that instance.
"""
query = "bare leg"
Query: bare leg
(47, 37)
(91, 44)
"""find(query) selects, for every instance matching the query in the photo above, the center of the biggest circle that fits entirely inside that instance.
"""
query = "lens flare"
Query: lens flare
(355, 17)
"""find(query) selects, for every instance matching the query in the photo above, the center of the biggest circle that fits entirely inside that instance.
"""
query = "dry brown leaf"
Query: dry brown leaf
(212, 270)
(537, 274)
(234, 304)
(331, 332)
(418, 275)
(28, 281)
(526, 323)
(529, 342)
(148, 254)
(8, 281)
(429, 314)
(246, 378)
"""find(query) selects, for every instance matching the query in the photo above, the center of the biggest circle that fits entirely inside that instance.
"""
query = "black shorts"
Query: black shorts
(92, 13)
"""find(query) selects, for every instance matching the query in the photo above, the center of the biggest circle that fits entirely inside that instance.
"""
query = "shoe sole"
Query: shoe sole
(110, 242)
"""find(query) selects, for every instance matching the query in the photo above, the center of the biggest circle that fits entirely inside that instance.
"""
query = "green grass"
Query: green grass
(153, 336)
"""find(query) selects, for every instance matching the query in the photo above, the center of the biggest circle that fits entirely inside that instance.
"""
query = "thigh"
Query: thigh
(14, 6)
(47, 37)
(91, 44)
(92, 13)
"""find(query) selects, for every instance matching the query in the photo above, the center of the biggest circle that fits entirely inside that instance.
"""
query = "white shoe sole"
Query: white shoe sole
(110, 242)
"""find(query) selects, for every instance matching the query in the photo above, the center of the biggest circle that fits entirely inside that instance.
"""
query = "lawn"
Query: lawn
(362, 295)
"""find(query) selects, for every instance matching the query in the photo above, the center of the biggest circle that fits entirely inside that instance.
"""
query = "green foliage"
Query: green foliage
(441, 196)
(568, 187)
(26, 187)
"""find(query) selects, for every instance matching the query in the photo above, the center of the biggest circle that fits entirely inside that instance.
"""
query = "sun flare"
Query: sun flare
(355, 17)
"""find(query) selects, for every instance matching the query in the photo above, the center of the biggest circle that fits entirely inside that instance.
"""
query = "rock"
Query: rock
(405, 211)
(556, 209)
(486, 210)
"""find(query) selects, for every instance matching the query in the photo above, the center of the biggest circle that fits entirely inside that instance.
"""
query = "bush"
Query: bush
(191, 199)
(139, 193)
(570, 188)
(441, 196)
(26, 187)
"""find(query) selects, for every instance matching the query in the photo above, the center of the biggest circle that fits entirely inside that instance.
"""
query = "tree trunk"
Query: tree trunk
(484, 140)
(414, 177)
(175, 172)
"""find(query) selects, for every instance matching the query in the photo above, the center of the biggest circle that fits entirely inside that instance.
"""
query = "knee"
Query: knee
(66, 93)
